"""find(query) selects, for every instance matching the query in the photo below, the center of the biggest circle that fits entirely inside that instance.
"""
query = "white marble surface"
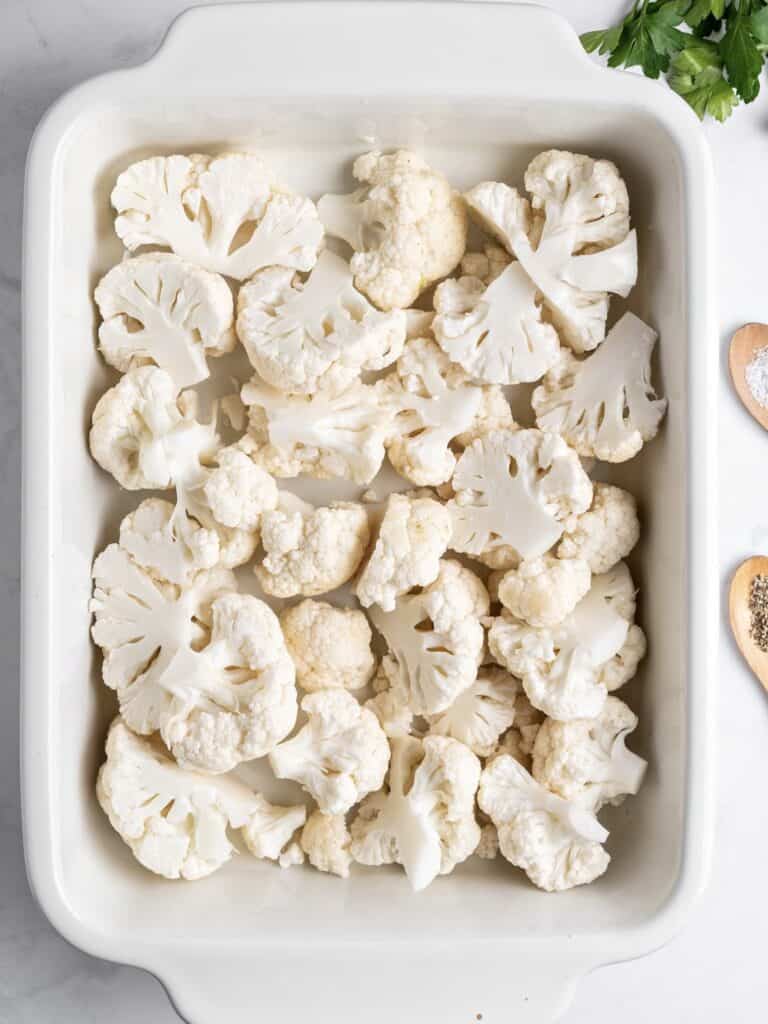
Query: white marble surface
(715, 970)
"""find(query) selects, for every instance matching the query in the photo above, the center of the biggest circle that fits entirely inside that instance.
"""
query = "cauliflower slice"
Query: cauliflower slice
(325, 839)
(605, 405)
(308, 550)
(406, 224)
(543, 591)
(481, 713)
(587, 760)
(560, 667)
(303, 337)
(436, 638)
(395, 717)
(330, 647)
(604, 534)
(270, 830)
(424, 817)
(413, 537)
(224, 213)
(322, 435)
(171, 547)
(174, 821)
(556, 843)
(339, 756)
(514, 492)
(158, 309)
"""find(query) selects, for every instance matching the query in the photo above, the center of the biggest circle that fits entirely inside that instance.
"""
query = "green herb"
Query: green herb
(711, 51)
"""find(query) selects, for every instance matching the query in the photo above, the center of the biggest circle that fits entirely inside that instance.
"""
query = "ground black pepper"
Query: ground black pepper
(758, 608)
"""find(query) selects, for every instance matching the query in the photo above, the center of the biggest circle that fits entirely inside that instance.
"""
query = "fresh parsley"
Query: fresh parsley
(711, 51)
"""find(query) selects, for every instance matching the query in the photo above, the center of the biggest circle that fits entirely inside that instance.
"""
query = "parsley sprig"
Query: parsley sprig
(711, 51)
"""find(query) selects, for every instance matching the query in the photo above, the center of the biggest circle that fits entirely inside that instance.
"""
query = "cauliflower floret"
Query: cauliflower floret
(436, 637)
(270, 830)
(157, 309)
(238, 491)
(406, 224)
(322, 435)
(605, 405)
(556, 843)
(623, 666)
(168, 545)
(604, 534)
(330, 646)
(316, 335)
(488, 847)
(395, 717)
(543, 591)
(413, 536)
(486, 265)
(339, 756)
(493, 414)
(424, 817)
(561, 666)
(587, 760)
(514, 492)
(481, 713)
(519, 740)
(224, 213)
(175, 822)
(310, 551)
(325, 839)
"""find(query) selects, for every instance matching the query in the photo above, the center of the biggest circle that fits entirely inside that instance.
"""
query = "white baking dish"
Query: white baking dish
(479, 88)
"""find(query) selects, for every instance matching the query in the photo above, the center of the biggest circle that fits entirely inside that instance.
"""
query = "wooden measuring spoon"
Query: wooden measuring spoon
(741, 617)
(745, 343)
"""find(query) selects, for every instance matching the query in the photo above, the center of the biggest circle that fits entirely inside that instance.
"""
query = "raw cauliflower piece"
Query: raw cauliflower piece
(318, 334)
(514, 492)
(238, 492)
(168, 545)
(604, 534)
(623, 666)
(176, 822)
(436, 637)
(413, 537)
(325, 839)
(322, 435)
(339, 756)
(406, 224)
(519, 740)
(270, 830)
(424, 817)
(557, 843)
(486, 265)
(146, 435)
(543, 591)
(330, 647)
(494, 414)
(395, 717)
(160, 310)
(587, 760)
(604, 405)
(226, 213)
(308, 550)
(481, 713)
(560, 666)
(488, 847)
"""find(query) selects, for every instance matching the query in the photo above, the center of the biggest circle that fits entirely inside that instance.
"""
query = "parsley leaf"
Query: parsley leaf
(696, 74)
(704, 11)
(741, 56)
(650, 36)
(759, 25)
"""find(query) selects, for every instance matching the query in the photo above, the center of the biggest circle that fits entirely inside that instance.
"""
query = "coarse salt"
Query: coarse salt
(757, 377)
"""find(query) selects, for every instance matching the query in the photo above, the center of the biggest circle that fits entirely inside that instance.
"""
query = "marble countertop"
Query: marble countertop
(715, 969)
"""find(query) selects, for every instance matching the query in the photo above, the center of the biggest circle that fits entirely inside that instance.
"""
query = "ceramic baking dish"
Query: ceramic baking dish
(479, 88)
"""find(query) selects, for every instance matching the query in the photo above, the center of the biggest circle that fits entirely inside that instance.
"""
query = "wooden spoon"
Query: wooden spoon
(745, 344)
(741, 617)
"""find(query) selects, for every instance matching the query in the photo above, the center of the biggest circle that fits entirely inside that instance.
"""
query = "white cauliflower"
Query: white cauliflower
(481, 713)
(556, 843)
(395, 717)
(406, 224)
(167, 543)
(436, 637)
(238, 492)
(308, 550)
(316, 335)
(605, 405)
(514, 492)
(488, 847)
(325, 839)
(624, 664)
(543, 591)
(412, 538)
(176, 822)
(560, 666)
(160, 310)
(322, 435)
(604, 534)
(270, 829)
(226, 213)
(339, 756)
(330, 647)
(493, 414)
(519, 740)
(486, 265)
(587, 760)
(424, 817)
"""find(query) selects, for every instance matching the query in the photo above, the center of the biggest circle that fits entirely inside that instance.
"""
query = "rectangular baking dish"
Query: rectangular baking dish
(479, 88)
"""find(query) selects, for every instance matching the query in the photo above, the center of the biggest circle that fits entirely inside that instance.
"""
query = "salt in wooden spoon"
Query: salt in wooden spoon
(745, 344)
(741, 615)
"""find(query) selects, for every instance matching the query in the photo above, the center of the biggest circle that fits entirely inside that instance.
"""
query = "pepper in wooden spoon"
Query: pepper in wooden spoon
(748, 358)
(748, 607)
